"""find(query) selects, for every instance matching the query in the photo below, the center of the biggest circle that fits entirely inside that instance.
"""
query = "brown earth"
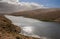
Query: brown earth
(11, 31)
(50, 14)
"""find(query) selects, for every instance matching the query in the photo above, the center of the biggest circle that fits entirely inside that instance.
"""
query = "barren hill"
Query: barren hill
(49, 14)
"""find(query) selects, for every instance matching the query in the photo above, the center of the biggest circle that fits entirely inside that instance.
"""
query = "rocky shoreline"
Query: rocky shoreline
(11, 31)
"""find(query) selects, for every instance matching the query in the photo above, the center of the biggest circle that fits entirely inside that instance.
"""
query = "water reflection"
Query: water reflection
(25, 24)
(27, 29)
(48, 30)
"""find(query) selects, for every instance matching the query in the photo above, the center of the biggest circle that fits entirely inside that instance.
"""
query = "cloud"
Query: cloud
(15, 5)
(10, 0)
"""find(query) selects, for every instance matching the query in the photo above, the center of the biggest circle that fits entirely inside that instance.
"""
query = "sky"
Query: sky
(10, 6)
(23, 5)
(47, 3)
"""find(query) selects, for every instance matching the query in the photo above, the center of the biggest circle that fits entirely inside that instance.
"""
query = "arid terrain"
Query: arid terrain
(11, 31)
(49, 14)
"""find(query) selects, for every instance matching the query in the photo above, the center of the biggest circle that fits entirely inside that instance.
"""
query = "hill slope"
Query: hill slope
(10, 31)
(51, 14)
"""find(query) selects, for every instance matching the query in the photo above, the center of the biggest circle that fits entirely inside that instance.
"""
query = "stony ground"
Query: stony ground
(11, 31)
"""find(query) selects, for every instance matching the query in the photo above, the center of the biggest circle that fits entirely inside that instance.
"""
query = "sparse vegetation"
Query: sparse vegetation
(11, 31)
(44, 14)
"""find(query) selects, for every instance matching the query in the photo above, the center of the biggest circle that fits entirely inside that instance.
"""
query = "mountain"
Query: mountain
(49, 14)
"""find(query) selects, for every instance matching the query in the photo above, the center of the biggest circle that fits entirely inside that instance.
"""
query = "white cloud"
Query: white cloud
(10, 0)
(15, 5)
(31, 5)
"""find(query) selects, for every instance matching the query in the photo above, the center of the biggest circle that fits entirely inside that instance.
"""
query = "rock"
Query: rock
(6, 35)
(15, 28)
(4, 21)
(11, 31)
(7, 25)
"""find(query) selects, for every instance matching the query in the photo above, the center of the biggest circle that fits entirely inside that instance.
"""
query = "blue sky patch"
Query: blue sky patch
(48, 3)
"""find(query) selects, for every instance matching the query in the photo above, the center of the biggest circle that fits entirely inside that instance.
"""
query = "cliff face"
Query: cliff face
(10, 31)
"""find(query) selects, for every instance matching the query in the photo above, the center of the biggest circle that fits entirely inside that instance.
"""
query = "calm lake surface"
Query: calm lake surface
(49, 30)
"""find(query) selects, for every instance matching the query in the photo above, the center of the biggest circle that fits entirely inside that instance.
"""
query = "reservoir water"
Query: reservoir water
(31, 27)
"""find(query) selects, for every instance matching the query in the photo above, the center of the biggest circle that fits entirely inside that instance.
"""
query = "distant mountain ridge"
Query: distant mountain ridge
(49, 14)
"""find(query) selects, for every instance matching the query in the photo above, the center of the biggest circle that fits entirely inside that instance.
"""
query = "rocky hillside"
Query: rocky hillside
(50, 14)
(11, 31)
